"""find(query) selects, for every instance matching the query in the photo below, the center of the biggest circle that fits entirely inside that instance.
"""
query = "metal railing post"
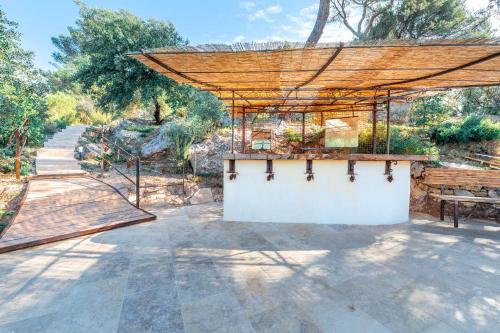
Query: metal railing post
(137, 181)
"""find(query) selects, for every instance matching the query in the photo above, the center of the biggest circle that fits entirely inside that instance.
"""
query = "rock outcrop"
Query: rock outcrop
(206, 156)
(159, 143)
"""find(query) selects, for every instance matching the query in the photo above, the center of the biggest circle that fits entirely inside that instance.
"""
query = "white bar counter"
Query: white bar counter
(329, 198)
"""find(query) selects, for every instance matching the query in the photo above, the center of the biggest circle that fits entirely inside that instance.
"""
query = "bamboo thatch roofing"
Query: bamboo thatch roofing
(291, 77)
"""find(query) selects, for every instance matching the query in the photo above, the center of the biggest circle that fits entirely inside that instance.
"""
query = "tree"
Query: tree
(399, 19)
(101, 40)
(319, 26)
(429, 111)
(22, 88)
(480, 101)
(416, 19)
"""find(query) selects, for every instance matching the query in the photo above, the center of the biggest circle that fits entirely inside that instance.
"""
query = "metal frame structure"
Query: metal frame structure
(280, 78)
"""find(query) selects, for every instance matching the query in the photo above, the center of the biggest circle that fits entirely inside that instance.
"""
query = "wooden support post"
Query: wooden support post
(232, 126)
(455, 214)
(374, 129)
(321, 119)
(441, 204)
(18, 154)
(137, 182)
(303, 129)
(388, 123)
(243, 134)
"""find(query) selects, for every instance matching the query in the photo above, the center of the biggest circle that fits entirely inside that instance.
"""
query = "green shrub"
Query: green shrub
(405, 140)
(145, 130)
(182, 136)
(472, 128)
(8, 162)
(293, 135)
(98, 118)
(184, 132)
(62, 107)
(315, 134)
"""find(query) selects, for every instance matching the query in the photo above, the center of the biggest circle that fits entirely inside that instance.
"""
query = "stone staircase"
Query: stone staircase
(57, 157)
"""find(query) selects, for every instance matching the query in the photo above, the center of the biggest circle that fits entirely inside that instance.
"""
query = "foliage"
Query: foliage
(206, 107)
(99, 118)
(22, 88)
(315, 134)
(7, 162)
(100, 42)
(429, 111)
(472, 128)
(62, 107)
(404, 140)
(409, 19)
(415, 19)
(145, 130)
(184, 132)
(480, 101)
(292, 135)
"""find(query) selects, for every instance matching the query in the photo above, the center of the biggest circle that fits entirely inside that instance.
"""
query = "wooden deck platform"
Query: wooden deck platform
(67, 207)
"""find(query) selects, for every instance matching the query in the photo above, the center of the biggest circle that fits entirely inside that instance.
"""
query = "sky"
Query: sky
(200, 21)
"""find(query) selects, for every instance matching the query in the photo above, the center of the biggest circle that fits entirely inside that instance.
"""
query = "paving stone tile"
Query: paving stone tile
(29, 325)
(91, 307)
(285, 318)
(149, 273)
(153, 310)
(198, 279)
(216, 313)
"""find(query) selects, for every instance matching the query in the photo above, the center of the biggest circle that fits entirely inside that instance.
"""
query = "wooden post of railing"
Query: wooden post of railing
(137, 181)
(18, 154)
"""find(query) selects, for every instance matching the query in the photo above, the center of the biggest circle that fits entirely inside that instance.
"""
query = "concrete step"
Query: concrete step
(58, 155)
(61, 173)
(55, 153)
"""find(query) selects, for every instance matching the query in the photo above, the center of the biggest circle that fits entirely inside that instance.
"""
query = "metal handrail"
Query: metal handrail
(138, 165)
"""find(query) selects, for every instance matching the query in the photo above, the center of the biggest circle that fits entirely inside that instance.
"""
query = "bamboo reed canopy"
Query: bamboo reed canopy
(290, 77)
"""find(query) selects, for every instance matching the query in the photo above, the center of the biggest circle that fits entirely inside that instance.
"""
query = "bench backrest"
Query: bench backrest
(463, 177)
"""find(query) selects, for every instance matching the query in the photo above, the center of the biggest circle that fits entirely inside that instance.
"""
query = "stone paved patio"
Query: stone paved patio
(190, 272)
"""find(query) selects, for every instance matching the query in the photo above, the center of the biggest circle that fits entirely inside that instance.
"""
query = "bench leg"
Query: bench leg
(441, 211)
(455, 214)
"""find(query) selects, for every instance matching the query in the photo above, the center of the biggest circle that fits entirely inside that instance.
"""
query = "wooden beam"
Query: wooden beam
(330, 156)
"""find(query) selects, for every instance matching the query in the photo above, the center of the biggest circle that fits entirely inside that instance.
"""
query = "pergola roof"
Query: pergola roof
(292, 77)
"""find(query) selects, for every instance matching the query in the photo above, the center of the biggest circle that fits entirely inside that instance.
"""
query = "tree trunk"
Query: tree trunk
(323, 14)
(157, 113)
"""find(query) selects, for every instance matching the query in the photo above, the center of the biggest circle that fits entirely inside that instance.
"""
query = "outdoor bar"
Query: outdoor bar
(335, 95)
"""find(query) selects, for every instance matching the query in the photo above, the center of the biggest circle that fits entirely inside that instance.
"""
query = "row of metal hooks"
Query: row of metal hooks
(309, 170)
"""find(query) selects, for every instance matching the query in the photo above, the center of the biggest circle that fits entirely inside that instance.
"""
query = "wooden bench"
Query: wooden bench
(461, 177)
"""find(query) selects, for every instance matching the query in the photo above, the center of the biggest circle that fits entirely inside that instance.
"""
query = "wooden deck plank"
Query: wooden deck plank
(62, 208)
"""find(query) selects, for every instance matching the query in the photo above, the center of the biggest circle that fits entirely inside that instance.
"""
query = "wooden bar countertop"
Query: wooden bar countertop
(351, 157)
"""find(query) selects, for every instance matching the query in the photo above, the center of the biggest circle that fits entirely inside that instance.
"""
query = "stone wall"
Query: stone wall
(421, 201)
